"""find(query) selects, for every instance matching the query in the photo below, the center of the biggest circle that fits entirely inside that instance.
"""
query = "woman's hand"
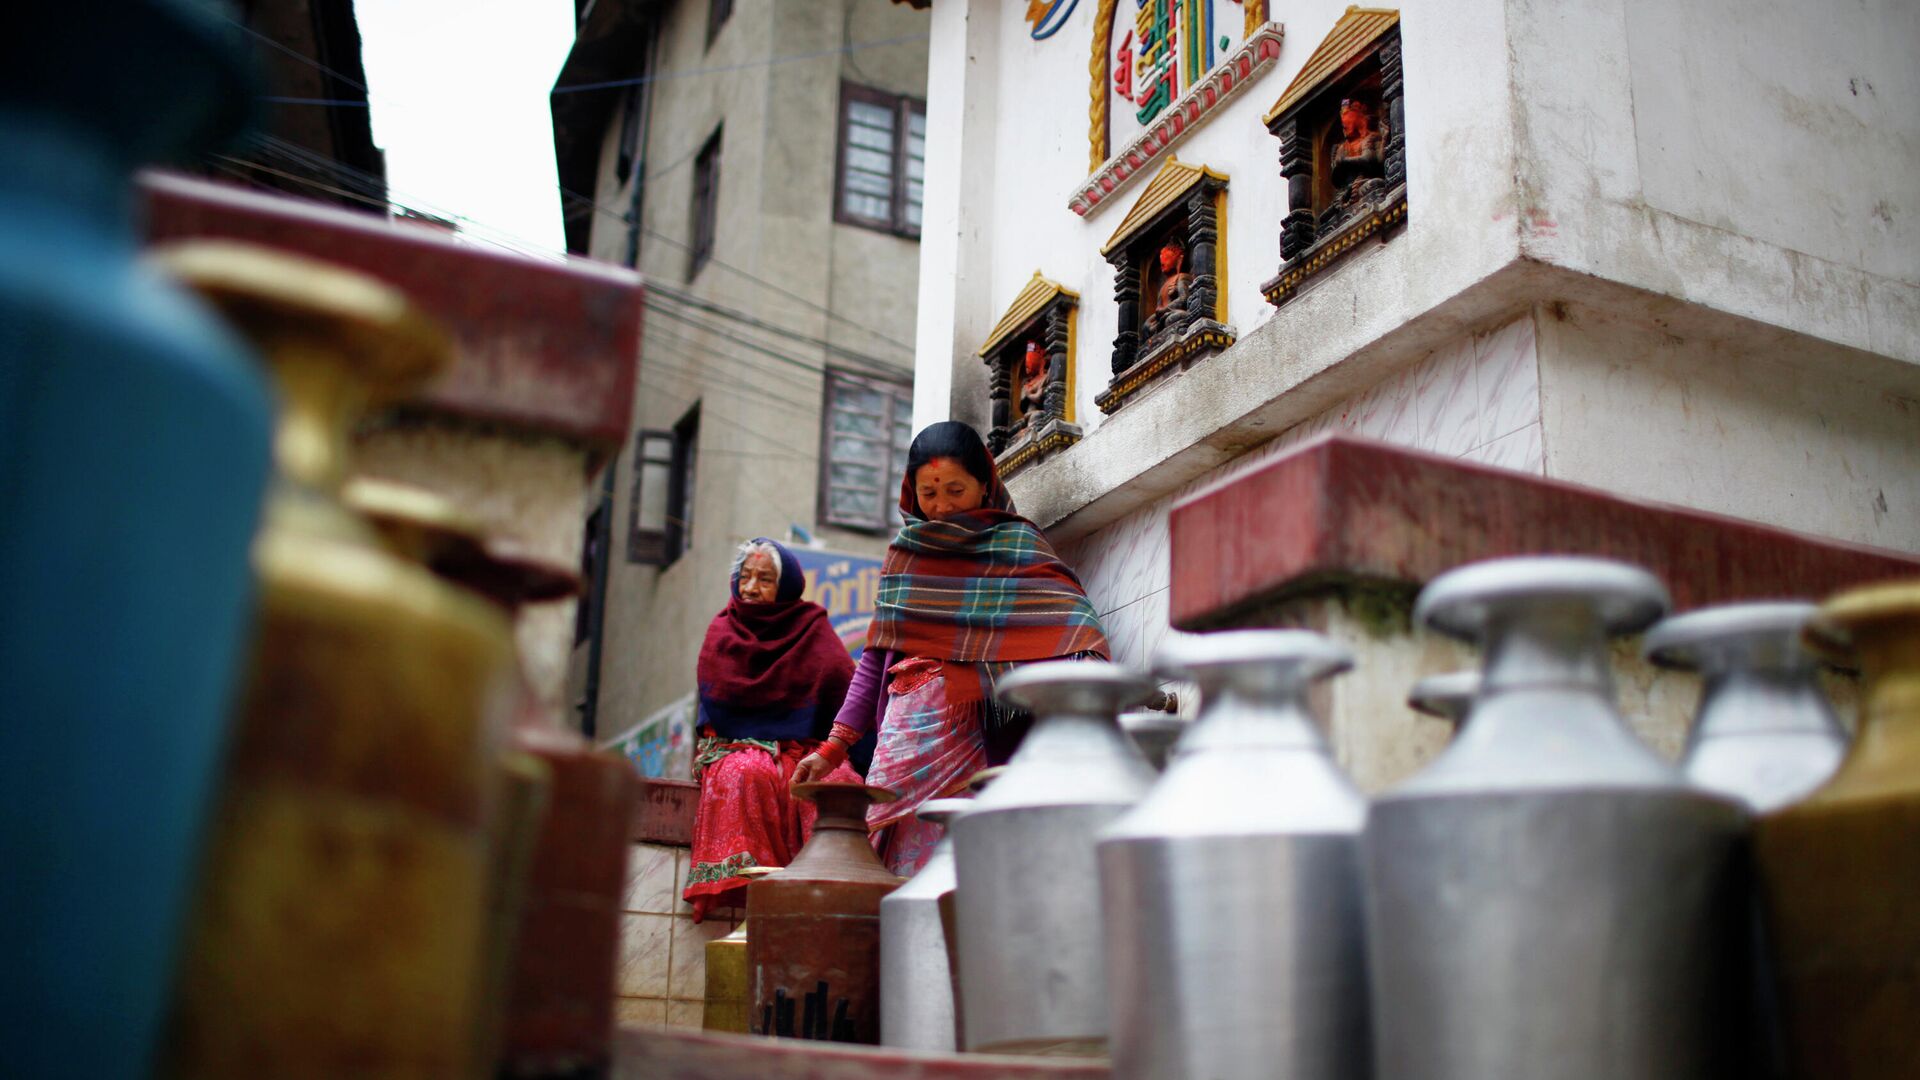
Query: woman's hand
(812, 767)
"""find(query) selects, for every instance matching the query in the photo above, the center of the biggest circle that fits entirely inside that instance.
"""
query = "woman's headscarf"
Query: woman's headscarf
(980, 591)
(776, 670)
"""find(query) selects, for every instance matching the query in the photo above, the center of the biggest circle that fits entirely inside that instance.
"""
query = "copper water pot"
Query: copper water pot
(1840, 870)
(813, 947)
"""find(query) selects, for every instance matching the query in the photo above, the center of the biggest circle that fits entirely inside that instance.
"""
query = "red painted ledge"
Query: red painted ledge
(664, 812)
(686, 1055)
(1341, 508)
(547, 347)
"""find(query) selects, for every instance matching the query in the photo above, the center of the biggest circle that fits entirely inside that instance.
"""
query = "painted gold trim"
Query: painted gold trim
(1142, 373)
(1174, 180)
(1220, 275)
(1256, 16)
(1358, 29)
(1059, 440)
(1097, 136)
(1280, 288)
(1072, 320)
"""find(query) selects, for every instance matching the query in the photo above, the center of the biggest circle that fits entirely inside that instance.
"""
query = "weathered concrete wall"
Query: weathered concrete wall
(1757, 429)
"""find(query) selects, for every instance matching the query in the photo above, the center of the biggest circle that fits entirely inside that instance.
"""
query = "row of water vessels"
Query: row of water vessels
(1548, 898)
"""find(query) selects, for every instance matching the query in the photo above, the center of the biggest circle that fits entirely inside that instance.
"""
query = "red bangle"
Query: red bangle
(843, 734)
(833, 753)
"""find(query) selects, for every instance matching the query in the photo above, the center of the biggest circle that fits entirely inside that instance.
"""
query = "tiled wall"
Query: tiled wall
(1477, 398)
(663, 969)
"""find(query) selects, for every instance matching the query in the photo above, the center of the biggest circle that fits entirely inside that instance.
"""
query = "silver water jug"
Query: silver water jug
(1231, 894)
(916, 982)
(1032, 957)
(1548, 898)
(1765, 733)
(1448, 696)
(1154, 732)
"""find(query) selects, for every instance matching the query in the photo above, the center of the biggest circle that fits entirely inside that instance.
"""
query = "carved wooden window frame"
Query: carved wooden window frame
(1197, 215)
(1043, 313)
(1309, 244)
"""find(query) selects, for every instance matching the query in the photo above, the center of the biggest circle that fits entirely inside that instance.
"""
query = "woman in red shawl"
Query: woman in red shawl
(969, 589)
(772, 674)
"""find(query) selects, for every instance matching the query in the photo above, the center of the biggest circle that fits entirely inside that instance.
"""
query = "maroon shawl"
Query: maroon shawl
(772, 671)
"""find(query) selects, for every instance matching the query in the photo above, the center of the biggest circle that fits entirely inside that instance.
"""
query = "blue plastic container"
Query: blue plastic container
(134, 446)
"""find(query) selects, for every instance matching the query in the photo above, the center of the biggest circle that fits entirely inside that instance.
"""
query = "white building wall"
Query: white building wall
(1699, 214)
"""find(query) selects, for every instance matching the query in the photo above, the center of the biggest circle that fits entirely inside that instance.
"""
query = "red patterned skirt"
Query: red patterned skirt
(746, 817)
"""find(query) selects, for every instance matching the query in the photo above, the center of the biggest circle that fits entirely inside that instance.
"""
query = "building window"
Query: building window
(867, 426)
(630, 107)
(883, 152)
(660, 515)
(706, 202)
(718, 12)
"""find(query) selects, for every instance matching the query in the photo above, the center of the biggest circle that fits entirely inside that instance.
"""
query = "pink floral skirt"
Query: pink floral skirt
(922, 752)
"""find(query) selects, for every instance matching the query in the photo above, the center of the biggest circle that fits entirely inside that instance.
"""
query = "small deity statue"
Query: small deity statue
(1172, 298)
(1360, 156)
(1033, 380)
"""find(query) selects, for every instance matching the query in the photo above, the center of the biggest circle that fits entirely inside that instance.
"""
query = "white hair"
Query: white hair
(755, 547)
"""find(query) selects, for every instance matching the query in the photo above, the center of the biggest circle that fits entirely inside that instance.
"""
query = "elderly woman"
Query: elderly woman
(772, 674)
(969, 588)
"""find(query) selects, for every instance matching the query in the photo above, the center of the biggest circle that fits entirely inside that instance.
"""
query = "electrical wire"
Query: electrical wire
(586, 200)
(736, 315)
(667, 76)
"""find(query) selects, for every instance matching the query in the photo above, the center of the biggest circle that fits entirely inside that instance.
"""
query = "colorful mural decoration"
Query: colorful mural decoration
(1148, 53)
(1160, 68)
(1046, 17)
(1170, 44)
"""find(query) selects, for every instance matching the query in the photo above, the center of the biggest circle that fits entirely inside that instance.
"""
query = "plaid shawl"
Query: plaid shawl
(981, 591)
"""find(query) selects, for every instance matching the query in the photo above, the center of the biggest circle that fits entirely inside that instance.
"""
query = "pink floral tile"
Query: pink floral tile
(1508, 374)
(1449, 400)
(1519, 451)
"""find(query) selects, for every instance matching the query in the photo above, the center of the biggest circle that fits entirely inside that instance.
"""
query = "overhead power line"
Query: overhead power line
(523, 246)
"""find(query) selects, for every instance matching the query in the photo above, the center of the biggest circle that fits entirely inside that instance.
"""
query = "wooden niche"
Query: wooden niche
(1169, 264)
(1029, 357)
(1343, 148)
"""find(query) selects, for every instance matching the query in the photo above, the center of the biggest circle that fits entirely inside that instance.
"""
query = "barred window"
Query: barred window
(867, 426)
(882, 166)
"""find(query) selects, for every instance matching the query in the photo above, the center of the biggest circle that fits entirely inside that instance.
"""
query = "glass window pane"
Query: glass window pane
(917, 124)
(868, 206)
(653, 495)
(861, 398)
(851, 475)
(852, 449)
(877, 163)
(866, 114)
(872, 140)
(853, 422)
(851, 505)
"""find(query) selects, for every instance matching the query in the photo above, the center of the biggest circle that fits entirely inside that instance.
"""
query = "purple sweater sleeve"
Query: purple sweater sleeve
(867, 693)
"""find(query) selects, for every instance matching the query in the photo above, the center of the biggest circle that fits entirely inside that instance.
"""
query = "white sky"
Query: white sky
(459, 92)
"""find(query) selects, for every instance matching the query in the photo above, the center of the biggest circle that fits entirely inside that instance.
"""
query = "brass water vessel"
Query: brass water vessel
(341, 914)
(1840, 871)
